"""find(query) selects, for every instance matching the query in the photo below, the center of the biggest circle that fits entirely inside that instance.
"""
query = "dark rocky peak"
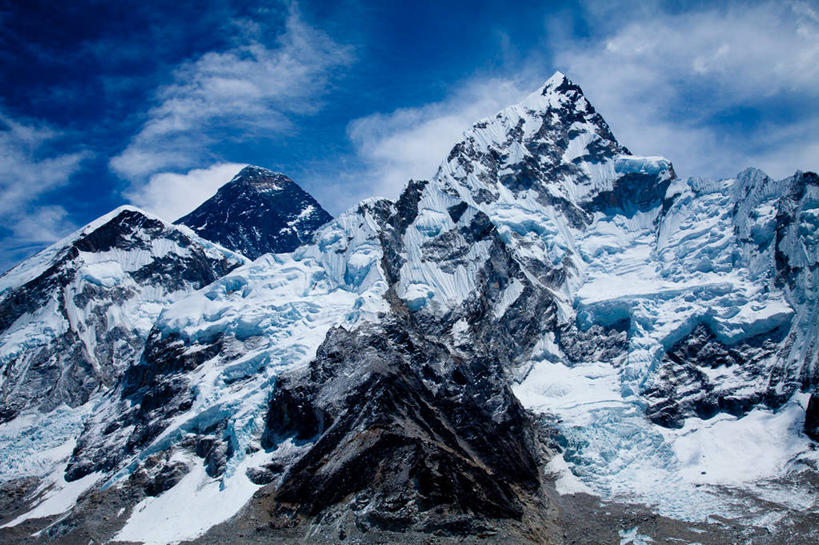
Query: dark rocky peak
(122, 228)
(128, 228)
(812, 418)
(561, 103)
(259, 211)
(258, 178)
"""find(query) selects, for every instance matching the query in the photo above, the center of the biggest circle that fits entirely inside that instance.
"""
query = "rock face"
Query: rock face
(75, 316)
(393, 428)
(549, 314)
(258, 212)
(768, 347)
(812, 418)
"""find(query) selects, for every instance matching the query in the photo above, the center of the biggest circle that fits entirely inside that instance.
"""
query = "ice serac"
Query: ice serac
(212, 358)
(76, 315)
(549, 314)
(754, 338)
(258, 212)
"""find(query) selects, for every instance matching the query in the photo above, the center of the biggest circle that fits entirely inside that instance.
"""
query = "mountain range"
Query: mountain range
(552, 340)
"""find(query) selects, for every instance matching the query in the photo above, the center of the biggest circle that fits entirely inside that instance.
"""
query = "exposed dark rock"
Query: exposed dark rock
(632, 193)
(455, 212)
(258, 212)
(403, 427)
(151, 393)
(812, 418)
(155, 478)
(683, 389)
(597, 343)
(401, 431)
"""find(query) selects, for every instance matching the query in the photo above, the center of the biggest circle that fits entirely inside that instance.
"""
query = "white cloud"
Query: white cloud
(29, 172)
(26, 175)
(242, 92)
(663, 82)
(171, 196)
(42, 225)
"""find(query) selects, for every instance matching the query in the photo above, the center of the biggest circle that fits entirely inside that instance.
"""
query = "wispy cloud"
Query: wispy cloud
(666, 82)
(247, 91)
(171, 196)
(30, 170)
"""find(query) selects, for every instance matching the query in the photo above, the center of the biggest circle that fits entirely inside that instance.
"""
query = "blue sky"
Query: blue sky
(106, 103)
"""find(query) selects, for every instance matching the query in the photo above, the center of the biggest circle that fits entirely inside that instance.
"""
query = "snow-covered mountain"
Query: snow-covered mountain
(76, 315)
(547, 323)
(258, 212)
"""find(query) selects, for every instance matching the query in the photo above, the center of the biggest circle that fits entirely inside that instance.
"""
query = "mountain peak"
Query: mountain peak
(553, 142)
(251, 170)
(556, 80)
(260, 178)
(547, 315)
(101, 288)
(35, 265)
(257, 212)
(557, 92)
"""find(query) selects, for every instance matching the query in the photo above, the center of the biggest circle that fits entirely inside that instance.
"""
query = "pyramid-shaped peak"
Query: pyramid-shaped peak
(556, 80)
(259, 176)
(258, 211)
(558, 92)
(558, 106)
(553, 142)
(253, 170)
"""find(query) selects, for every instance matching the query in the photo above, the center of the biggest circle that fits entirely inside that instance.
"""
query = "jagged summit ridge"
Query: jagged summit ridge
(552, 145)
(259, 211)
(560, 93)
(539, 171)
(31, 267)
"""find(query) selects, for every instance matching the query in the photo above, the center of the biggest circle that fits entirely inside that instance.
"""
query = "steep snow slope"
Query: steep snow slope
(75, 316)
(445, 259)
(663, 330)
(678, 286)
(717, 341)
(258, 212)
(538, 170)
